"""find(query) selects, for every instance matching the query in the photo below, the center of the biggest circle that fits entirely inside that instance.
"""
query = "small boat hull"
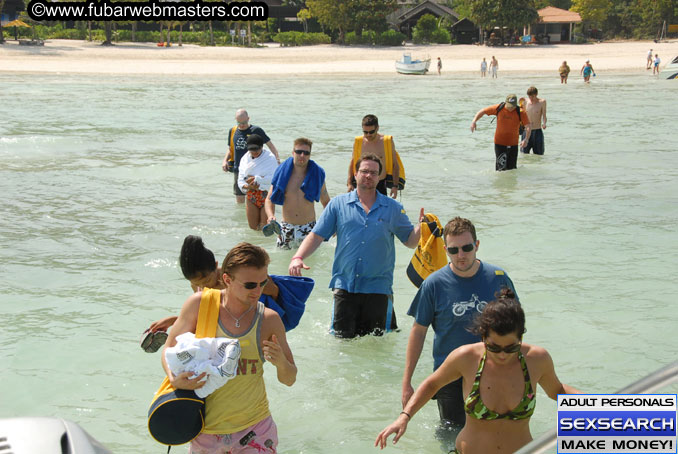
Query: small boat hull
(670, 71)
(408, 66)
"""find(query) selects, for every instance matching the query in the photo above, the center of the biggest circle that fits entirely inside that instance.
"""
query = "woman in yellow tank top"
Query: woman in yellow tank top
(237, 417)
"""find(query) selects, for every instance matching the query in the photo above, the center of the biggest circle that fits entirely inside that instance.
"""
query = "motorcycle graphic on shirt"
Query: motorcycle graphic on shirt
(460, 308)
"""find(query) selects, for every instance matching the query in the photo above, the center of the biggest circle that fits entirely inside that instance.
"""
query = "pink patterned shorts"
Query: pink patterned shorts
(261, 438)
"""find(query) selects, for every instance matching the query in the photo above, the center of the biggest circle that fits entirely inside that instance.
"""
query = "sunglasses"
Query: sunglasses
(466, 248)
(374, 173)
(253, 285)
(494, 348)
(304, 152)
(369, 132)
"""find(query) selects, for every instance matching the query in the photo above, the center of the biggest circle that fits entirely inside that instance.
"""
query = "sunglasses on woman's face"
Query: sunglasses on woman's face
(455, 250)
(252, 285)
(494, 348)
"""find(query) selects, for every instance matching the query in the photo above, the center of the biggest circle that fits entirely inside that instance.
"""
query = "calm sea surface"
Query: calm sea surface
(102, 177)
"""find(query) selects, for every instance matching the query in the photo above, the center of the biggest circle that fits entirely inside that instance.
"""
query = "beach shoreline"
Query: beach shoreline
(83, 57)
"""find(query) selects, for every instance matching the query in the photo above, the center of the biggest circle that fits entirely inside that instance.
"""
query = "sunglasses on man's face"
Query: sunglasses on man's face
(455, 250)
(370, 132)
(494, 348)
(304, 152)
(252, 285)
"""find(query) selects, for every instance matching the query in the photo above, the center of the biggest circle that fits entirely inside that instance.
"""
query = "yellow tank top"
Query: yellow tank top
(242, 401)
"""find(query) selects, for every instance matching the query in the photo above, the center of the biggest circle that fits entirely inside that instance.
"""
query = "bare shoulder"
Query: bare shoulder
(535, 352)
(192, 304)
(271, 323)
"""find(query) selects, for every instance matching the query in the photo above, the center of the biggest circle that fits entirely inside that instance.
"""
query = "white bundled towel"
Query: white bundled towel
(217, 357)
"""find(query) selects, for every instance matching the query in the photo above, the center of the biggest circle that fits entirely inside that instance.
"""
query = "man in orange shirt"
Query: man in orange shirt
(506, 136)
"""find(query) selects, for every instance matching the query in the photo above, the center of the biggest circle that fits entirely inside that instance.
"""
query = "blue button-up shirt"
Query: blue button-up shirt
(365, 255)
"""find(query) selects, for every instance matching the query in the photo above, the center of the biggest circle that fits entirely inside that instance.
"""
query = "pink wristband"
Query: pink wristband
(298, 257)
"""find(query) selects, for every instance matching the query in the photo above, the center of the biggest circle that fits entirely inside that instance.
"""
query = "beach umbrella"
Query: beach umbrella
(17, 23)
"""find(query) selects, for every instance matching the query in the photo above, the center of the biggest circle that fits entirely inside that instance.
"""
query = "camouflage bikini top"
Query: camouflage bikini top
(474, 406)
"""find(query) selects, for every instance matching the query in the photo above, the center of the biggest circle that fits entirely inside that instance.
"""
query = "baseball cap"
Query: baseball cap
(254, 141)
(512, 99)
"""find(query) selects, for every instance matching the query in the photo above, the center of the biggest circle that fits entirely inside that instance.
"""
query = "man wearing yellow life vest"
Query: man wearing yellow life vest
(237, 148)
(371, 142)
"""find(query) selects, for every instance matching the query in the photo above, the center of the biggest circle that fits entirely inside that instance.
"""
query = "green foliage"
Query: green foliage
(428, 31)
(593, 11)
(367, 38)
(351, 15)
(441, 36)
(503, 13)
(391, 38)
(301, 39)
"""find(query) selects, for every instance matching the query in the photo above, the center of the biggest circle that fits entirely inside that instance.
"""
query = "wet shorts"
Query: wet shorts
(507, 157)
(264, 441)
(257, 197)
(360, 314)
(450, 401)
(236, 188)
(535, 142)
(292, 234)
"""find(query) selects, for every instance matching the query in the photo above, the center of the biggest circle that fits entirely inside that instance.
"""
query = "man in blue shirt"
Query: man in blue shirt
(365, 222)
(448, 300)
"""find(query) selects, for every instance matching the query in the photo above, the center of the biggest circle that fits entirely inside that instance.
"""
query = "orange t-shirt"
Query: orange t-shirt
(507, 125)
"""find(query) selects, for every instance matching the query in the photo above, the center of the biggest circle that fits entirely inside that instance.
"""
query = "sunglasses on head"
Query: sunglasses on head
(370, 132)
(494, 348)
(304, 152)
(466, 248)
(253, 285)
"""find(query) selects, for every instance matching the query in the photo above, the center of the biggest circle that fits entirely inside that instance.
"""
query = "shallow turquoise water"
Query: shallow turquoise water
(103, 176)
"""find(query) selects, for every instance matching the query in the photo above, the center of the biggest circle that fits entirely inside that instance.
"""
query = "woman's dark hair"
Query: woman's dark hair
(195, 259)
(504, 316)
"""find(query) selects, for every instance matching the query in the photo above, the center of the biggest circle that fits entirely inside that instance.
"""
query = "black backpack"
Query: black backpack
(522, 128)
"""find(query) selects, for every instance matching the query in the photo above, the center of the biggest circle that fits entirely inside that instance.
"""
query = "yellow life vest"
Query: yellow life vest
(430, 253)
(388, 160)
(231, 145)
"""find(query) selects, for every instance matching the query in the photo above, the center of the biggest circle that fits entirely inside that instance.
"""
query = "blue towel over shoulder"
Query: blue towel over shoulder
(293, 293)
(311, 187)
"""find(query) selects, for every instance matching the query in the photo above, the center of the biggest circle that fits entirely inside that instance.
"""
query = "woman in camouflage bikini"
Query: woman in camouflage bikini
(498, 375)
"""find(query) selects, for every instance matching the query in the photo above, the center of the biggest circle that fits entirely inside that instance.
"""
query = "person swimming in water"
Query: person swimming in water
(499, 375)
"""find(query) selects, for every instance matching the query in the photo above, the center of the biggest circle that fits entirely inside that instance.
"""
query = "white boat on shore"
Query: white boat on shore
(670, 71)
(407, 65)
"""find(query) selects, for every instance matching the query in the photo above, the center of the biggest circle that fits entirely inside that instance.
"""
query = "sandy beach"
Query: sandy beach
(82, 57)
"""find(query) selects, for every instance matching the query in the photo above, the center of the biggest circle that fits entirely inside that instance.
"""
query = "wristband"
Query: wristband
(298, 257)
(406, 414)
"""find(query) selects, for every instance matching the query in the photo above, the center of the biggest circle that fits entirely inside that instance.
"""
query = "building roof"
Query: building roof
(553, 15)
(405, 14)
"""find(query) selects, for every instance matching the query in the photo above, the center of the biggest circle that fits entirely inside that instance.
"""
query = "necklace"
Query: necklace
(237, 319)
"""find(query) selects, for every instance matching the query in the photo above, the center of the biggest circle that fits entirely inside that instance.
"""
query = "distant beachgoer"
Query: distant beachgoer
(371, 142)
(440, 65)
(297, 184)
(483, 68)
(237, 414)
(564, 71)
(509, 119)
(256, 172)
(587, 70)
(366, 223)
(649, 59)
(496, 373)
(657, 61)
(237, 148)
(536, 112)
(494, 66)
